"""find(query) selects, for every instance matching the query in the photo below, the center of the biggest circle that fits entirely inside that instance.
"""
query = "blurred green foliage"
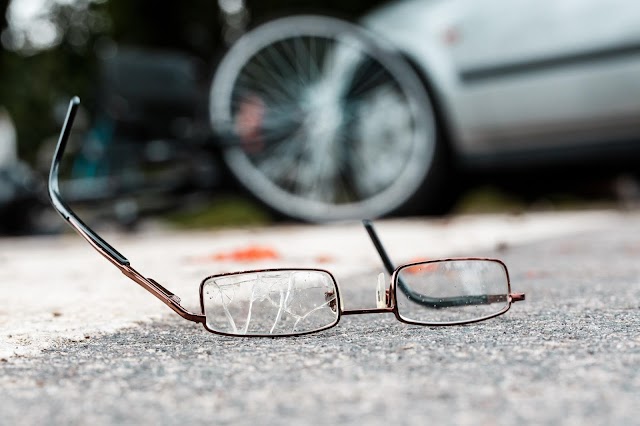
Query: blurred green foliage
(33, 80)
(219, 213)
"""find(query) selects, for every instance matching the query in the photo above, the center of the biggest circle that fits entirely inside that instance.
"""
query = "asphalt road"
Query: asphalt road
(569, 354)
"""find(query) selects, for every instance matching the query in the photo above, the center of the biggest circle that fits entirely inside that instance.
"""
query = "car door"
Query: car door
(537, 74)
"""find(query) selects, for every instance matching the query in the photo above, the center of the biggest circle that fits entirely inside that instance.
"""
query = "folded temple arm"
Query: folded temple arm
(433, 302)
(97, 242)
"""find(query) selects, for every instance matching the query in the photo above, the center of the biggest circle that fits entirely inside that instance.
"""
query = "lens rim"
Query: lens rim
(253, 271)
(394, 289)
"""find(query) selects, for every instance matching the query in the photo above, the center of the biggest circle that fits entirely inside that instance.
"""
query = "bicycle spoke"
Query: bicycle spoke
(273, 92)
(283, 84)
(372, 82)
(282, 161)
(282, 65)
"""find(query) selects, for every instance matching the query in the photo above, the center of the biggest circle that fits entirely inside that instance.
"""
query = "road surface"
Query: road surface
(79, 344)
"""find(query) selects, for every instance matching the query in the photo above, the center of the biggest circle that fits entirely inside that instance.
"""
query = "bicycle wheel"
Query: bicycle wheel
(329, 123)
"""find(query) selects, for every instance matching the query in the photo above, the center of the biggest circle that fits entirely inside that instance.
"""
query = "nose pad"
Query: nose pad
(381, 293)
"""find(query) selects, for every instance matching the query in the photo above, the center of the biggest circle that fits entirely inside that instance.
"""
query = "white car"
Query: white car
(333, 120)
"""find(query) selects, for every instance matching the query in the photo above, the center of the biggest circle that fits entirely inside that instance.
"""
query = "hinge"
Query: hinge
(166, 292)
(517, 297)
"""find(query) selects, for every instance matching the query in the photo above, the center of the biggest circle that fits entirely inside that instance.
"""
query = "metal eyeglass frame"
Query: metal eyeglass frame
(173, 301)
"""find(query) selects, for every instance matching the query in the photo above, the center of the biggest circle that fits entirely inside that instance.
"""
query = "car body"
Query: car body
(512, 78)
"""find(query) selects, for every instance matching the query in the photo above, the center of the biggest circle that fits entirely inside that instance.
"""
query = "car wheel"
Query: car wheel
(327, 122)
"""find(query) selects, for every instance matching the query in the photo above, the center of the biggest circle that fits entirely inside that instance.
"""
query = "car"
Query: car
(393, 114)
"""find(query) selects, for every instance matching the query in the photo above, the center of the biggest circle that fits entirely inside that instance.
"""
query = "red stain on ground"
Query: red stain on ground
(254, 253)
(248, 254)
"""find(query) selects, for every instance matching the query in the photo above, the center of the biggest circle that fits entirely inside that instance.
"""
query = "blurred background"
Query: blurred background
(235, 112)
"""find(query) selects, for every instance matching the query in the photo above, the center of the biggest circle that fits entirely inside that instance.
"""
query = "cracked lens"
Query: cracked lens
(270, 302)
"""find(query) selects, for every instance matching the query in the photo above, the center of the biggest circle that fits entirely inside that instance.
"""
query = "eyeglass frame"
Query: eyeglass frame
(174, 302)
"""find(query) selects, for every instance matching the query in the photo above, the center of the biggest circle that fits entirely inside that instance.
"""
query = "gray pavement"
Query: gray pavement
(569, 354)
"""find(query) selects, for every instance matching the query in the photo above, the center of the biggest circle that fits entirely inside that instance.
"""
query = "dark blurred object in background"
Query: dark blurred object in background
(148, 141)
(20, 190)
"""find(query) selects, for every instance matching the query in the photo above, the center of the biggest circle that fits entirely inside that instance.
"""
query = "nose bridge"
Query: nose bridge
(382, 300)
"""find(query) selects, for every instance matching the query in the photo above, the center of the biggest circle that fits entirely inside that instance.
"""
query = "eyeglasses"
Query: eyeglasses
(295, 301)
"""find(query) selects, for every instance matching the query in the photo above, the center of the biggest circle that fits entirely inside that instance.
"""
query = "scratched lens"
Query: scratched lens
(270, 303)
(452, 291)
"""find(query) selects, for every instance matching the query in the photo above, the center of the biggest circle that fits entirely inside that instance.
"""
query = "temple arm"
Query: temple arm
(54, 190)
(97, 242)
